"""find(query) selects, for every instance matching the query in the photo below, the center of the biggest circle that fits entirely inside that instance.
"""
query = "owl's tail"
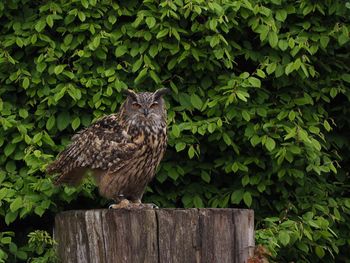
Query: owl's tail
(72, 177)
(67, 166)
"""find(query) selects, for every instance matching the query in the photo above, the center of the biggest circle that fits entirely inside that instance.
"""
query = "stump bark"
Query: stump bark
(155, 235)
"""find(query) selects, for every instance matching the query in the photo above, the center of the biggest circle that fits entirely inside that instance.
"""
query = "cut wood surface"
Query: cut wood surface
(155, 235)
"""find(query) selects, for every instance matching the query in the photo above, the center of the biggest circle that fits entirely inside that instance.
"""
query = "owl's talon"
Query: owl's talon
(122, 204)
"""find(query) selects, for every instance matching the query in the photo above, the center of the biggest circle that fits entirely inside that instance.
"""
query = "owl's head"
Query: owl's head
(145, 106)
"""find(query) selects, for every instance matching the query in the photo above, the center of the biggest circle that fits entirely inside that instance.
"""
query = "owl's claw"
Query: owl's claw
(122, 204)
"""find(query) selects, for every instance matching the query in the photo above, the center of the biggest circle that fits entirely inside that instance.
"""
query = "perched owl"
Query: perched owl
(122, 150)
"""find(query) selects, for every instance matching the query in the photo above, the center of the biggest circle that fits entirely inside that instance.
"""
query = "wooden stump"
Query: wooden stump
(155, 236)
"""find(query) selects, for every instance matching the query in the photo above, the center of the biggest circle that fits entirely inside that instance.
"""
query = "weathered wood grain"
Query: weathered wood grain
(155, 236)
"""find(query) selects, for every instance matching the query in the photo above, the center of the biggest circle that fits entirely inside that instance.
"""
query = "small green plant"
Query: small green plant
(42, 245)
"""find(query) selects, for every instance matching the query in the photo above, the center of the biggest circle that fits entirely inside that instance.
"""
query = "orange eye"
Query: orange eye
(154, 104)
(136, 105)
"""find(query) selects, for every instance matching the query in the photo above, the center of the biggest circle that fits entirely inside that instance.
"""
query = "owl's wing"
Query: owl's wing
(102, 145)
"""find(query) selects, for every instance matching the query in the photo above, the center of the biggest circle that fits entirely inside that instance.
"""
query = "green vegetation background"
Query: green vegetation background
(258, 117)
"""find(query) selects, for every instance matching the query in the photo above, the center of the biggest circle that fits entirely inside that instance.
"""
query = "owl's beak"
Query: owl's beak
(145, 112)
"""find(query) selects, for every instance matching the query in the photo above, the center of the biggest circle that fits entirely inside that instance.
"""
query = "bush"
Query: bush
(258, 116)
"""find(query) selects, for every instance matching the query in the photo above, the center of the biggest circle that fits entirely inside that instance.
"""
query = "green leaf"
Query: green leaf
(63, 120)
(205, 177)
(271, 68)
(260, 73)
(75, 123)
(291, 115)
(263, 30)
(197, 201)
(191, 152)
(237, 196)
(319, 251)
(254, 82)
(212, 24)
(39, 210)
(58, 69)
(25, 83)
(247, 198)
(343, 38)
(85, 3)
(270, 144)
(281, 15)
(16, 204)
(81, 16)
(162, 33)
(180, 146)
(245, 180)
(60, 94)
(6, 240)
(255, 140)
(9, 149)
(49, 21)
(137, 65)
(346, 77)
(150, 21)
(120, 51)
(219, 123)
(177, 36)
(22, 255)
(153, 51)
(196, 101)
(175, 131)
(246, 115)
(333, 92)
(50, 122)
(273, 39)
(41, 67)
(303, 247)
(235, 167)
(284, 237)
(95, 43)
(326, 125)
(324, 40)
(141, 75)
(155, 77)
(211, 127)
(109, 91)
(227, 139)
(289, 68)
(10, 217)
(23, 113)
(40, 25)
(283, 44)
(112, 19)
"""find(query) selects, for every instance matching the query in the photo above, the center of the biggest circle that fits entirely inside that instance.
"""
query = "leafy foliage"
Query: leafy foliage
(257, 118)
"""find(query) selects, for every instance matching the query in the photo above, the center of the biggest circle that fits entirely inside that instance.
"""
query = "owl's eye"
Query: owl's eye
(136, 105)
(154, 104)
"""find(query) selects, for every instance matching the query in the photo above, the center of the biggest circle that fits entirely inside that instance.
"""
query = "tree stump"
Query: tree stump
(155, 235)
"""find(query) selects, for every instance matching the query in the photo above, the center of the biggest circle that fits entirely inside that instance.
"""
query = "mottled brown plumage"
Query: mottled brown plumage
(123, 150)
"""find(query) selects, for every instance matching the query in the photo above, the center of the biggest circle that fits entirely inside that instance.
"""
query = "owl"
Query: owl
(121, 150)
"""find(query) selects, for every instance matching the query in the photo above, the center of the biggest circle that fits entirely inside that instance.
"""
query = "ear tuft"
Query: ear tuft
(161, 92)
(130, 93)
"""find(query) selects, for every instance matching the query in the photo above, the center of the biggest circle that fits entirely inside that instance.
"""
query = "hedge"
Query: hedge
(258, 116)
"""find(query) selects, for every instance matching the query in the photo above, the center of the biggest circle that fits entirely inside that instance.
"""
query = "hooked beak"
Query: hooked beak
(145, 112)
